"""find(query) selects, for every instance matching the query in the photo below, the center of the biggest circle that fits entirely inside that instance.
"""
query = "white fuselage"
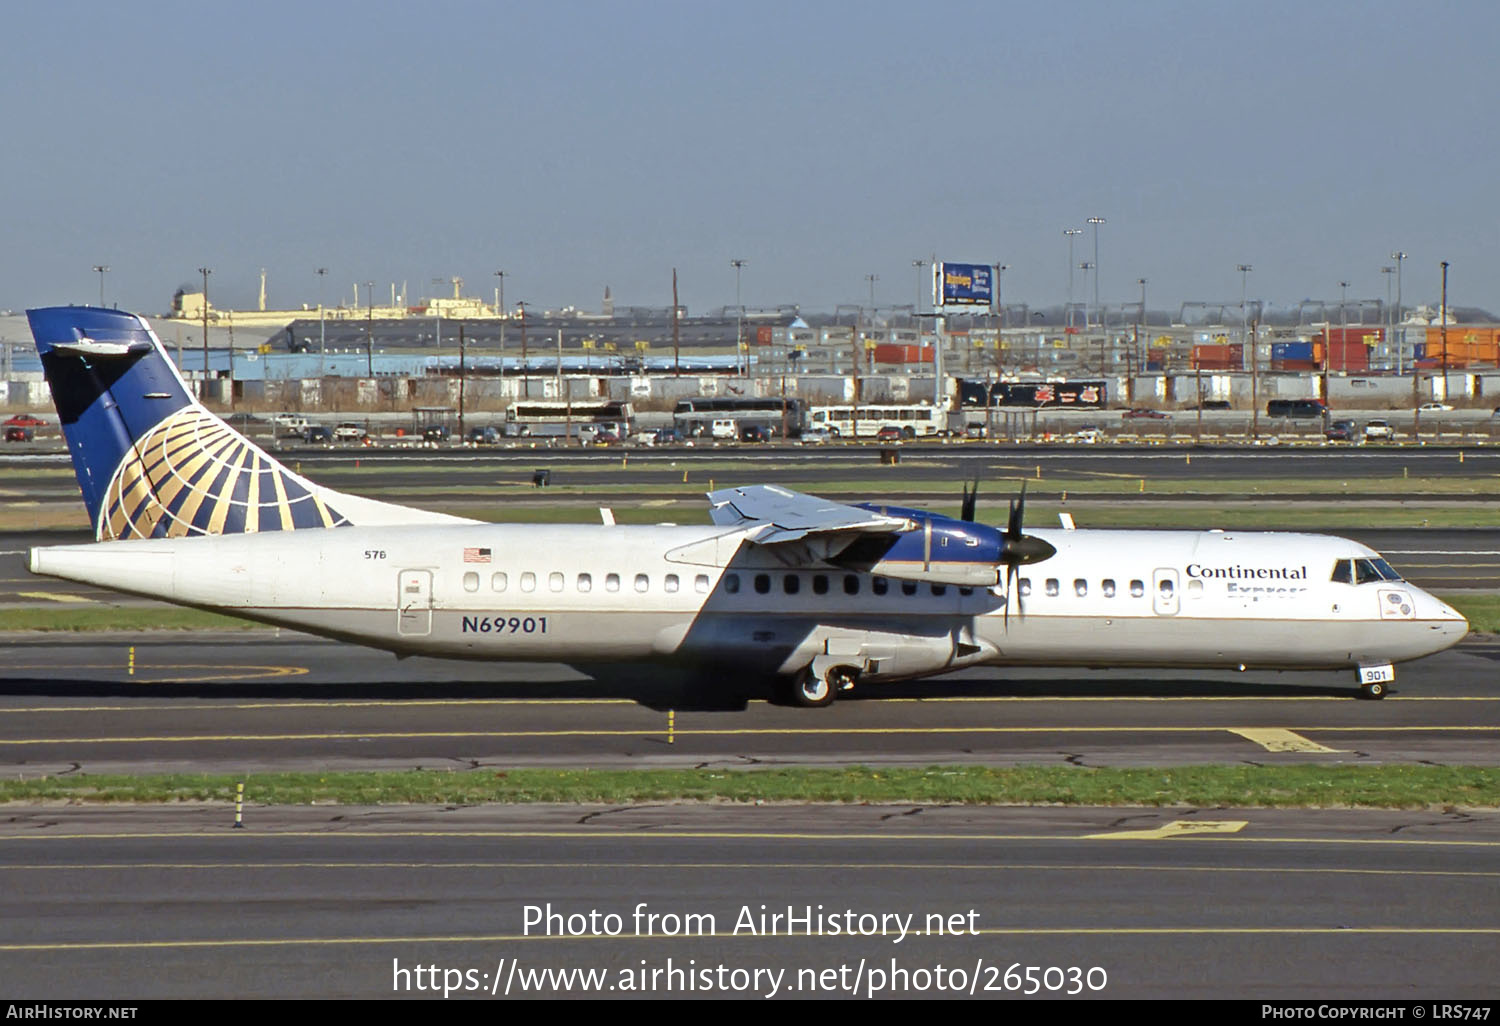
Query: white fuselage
(585, 593)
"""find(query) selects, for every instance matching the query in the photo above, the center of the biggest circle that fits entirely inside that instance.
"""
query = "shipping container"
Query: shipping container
(888, 353)
(763, 334)
(1291, 351)
(1353, 334)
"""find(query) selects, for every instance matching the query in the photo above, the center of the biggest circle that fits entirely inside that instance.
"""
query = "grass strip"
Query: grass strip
(1304, 786)
(118, 618)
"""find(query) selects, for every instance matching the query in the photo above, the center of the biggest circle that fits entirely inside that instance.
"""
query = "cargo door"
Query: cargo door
(414, 602)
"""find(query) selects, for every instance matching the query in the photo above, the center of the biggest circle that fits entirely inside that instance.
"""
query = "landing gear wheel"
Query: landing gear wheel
(1372, 691)
(811, 690)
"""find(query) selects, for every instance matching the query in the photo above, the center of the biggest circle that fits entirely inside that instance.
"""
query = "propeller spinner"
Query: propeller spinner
(1019, 549)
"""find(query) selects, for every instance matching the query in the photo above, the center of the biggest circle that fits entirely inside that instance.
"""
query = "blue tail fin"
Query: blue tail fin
(152, 462)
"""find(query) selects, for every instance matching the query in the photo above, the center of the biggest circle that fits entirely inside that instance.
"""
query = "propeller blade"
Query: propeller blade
(971, 501)
(1022, 548)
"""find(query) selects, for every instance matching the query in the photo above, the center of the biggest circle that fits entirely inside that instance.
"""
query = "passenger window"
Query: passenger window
(642, 582)
(851, 584)
(1108, 587)
(612, 582)
(1025, 586)
(555, 581)
(1054, 586)
(1080, 587)
(1165, 587)
(498, 582)
(1343, 572)
(700, 584)
(471, 581)
(1137, 589)
(528, 581)
(670, 584)
(820, 584)
(791, 584)
(940, 589)
(879, 585)
(732, 583)
(762, 584)
(585, 582)
(1195, 588)
(908, 587)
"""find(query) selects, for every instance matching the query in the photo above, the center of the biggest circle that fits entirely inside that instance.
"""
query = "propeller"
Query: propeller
(971, 500)
(1019, 549)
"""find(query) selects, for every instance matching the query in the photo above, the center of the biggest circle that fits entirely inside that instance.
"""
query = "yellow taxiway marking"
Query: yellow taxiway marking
(52, 596)
(391, 735)
(985, 867)
(1176, 828)
(1278, 739)
(508, 938)
(615, 836)
(220, 672)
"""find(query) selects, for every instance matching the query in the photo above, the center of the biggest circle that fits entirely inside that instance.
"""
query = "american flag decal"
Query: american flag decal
(476, 555)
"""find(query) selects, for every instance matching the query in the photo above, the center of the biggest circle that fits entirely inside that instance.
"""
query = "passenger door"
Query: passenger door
(414, 602)
(1164, 599)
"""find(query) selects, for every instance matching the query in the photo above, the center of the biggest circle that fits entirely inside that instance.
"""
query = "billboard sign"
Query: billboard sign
(963, 285)
(1035, 394)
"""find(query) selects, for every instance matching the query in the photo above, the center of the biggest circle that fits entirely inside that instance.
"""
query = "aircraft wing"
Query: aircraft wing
(774, 515)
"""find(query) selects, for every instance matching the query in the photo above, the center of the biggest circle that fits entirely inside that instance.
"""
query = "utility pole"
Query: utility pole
(322, 324)
(500, 309)
(676, 351)
(461, 435)
(1254, 392)
(1445, 330)
(203, 389)
(1132, 366)
(525, 363)
(1068, 315)
(1400, 258)
(1096, 222)
(370, 330)
(101, 268)
(739, 315)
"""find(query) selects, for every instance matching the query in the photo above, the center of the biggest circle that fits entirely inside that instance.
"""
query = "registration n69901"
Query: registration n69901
(505, 625)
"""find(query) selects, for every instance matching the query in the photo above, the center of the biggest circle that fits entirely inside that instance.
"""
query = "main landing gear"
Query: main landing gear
(818, 689)
(1373, 690)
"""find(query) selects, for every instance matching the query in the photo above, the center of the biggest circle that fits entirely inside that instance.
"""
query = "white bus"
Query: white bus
(555, 417)
(918, 420)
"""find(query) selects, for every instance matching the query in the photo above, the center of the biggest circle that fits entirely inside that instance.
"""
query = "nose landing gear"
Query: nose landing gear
(812, 688)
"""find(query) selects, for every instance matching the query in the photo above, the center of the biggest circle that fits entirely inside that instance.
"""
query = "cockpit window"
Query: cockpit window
(1363, 571)
(1386, 570)
(1343, 572)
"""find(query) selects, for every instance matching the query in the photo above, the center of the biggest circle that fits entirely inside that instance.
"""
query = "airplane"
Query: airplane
(816, 595)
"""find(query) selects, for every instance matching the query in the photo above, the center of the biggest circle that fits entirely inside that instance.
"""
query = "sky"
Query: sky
(578, 145)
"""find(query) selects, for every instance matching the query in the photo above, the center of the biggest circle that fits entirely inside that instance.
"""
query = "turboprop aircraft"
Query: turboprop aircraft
(819, 595)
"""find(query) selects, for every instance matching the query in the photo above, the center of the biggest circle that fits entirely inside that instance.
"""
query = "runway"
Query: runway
(259, 703)
(770, 901)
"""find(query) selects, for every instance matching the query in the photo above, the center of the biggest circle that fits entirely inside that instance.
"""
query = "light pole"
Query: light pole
(101, 268)
(1390, 331)
(370, 330)
(739, 315)
(1245, 340)
(1135, 357)
(1000, 270)
(1070, 232)
(1400, 258)
(205, 271)
(1086, 266)
(1244, 270)
(500, 309)
(872, 279)
(1096, 222)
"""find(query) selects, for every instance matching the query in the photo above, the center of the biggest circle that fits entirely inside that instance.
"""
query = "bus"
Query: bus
(529, 417)
(1297, 408)
(915, 420)
(695, 416)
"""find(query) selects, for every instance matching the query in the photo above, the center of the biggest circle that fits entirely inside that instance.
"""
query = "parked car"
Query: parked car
(1141, 413)
(1379, 430)
(754, 433)
(890, 433)
(17, 433)
(486, 435)
(435, 433)
(349, 432)
(605, 437)
(1089, 434)
(25, 420)
(1340, 431)
(817, 434)
(1434, 407)
(667, 436)
(317, 434)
